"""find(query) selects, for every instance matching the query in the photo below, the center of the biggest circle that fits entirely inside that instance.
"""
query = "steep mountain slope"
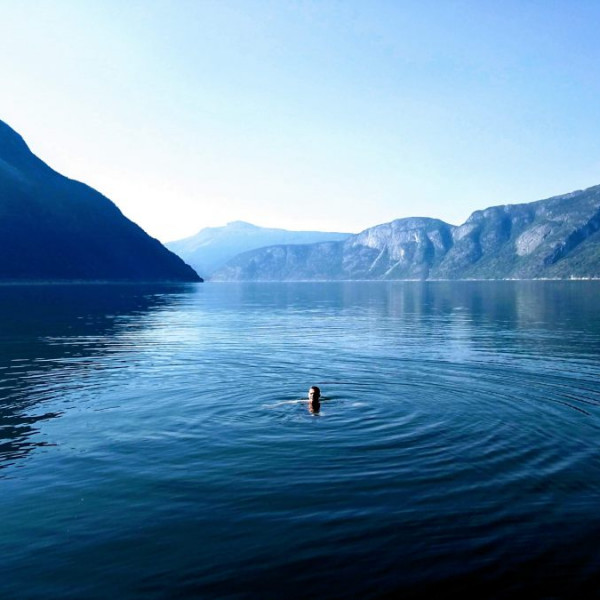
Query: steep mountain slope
(554, 238)
(212, 247)
(527, 241)
(54, 229)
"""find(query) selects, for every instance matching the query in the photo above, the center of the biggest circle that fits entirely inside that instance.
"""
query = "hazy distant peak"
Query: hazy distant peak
(241, 225)
(212, 247)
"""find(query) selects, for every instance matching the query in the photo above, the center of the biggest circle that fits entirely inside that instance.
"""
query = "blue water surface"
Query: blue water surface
(155, 441)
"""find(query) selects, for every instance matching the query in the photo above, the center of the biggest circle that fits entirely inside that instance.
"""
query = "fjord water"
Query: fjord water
(153, 445)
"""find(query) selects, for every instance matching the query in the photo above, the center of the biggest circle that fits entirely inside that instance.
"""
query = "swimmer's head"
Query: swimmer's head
(314, 393)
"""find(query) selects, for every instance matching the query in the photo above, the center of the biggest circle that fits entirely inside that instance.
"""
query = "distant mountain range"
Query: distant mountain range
(55, 229)
(212, 247)
(557, 238)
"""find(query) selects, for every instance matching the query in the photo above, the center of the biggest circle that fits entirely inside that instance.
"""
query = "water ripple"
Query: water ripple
(160, 444)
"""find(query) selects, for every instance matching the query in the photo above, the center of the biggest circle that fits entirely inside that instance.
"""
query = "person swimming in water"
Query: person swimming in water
(314, 402)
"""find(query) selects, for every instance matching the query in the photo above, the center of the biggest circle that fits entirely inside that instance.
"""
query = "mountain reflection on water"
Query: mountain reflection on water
(154, 441)
(43, 328)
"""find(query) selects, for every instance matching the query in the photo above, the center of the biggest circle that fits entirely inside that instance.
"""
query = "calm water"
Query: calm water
(152, 442)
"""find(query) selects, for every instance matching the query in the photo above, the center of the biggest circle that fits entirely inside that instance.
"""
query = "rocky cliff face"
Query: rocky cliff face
(554, 238)
(406, 249)
(54, 229)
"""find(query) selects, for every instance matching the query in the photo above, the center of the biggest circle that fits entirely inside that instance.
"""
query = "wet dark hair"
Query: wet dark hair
(314, 387)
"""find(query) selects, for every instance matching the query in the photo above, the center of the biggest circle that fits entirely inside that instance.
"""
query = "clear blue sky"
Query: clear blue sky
(306, 115)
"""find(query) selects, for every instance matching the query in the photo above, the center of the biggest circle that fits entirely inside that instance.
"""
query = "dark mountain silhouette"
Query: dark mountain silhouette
(55, 229)
(556, 238)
